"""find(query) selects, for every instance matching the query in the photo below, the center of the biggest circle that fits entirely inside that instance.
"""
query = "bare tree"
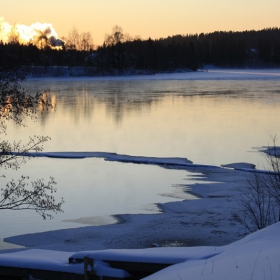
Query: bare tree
(73, 39)
(273, 159)
(258, 208)
(79, 41)
(116, 36)
(13, 36)
(260, 203)
(15, 104)
(86, 42)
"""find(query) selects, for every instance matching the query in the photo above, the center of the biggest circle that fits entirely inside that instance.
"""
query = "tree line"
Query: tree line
(122, 54)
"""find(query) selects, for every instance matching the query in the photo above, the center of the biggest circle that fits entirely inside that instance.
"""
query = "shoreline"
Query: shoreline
(201, 222)
(224, 74)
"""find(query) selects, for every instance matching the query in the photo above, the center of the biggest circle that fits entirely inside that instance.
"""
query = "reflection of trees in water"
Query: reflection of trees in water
(44, 114)
(119, 105)
(78, 99)
(79, 103)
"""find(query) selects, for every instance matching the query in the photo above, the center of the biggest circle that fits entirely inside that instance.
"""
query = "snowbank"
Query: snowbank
(253, 257)
(40, 259)
(152, 255)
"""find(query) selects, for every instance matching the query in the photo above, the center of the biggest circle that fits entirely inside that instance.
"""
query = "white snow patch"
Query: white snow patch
(114, 157)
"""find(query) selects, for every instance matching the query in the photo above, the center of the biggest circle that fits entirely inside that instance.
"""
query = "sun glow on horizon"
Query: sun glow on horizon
(146, 19)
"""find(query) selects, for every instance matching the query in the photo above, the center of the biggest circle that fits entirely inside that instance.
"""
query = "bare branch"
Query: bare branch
(38, 197)
(260, 204)
(15, 104)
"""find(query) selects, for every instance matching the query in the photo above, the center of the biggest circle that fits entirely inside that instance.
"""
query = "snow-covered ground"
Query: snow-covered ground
(254, 257)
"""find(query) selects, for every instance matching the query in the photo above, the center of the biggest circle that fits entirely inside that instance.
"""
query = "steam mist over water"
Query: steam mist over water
(40, 34)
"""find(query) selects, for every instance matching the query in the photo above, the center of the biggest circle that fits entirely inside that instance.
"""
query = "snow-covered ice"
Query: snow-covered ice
(203, 221)
(114, 157)
(194, 235)
(240, 165)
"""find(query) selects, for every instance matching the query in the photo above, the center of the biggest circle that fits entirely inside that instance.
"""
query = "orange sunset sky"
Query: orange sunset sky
(144, 18)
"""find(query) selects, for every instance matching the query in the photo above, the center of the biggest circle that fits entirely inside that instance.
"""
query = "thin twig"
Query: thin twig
(179, 276)
(213, 264)
(269, 268)
(204, 267)
(255, 264)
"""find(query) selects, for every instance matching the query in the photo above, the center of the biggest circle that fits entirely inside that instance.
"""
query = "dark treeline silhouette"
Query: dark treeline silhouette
(119, 56)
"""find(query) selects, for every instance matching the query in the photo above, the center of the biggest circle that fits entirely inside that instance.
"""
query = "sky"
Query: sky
(144, 18)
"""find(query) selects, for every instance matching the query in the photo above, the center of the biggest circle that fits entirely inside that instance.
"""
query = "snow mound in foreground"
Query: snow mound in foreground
(256, 257)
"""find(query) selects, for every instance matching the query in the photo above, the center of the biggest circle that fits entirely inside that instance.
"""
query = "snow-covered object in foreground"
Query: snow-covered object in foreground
(41, 260)
(163, 255)
(256, 257)
(54, 261)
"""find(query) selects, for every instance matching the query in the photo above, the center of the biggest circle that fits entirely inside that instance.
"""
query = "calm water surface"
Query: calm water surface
(209, 122)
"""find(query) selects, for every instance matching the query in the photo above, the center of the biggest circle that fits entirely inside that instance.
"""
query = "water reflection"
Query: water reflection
(93, 190)
(208, 122)
(118, 102)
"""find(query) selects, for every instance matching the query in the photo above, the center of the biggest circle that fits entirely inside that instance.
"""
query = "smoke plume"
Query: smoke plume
(39, 34)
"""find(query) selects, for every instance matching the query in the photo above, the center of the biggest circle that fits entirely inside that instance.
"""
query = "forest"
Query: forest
(120, 54)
